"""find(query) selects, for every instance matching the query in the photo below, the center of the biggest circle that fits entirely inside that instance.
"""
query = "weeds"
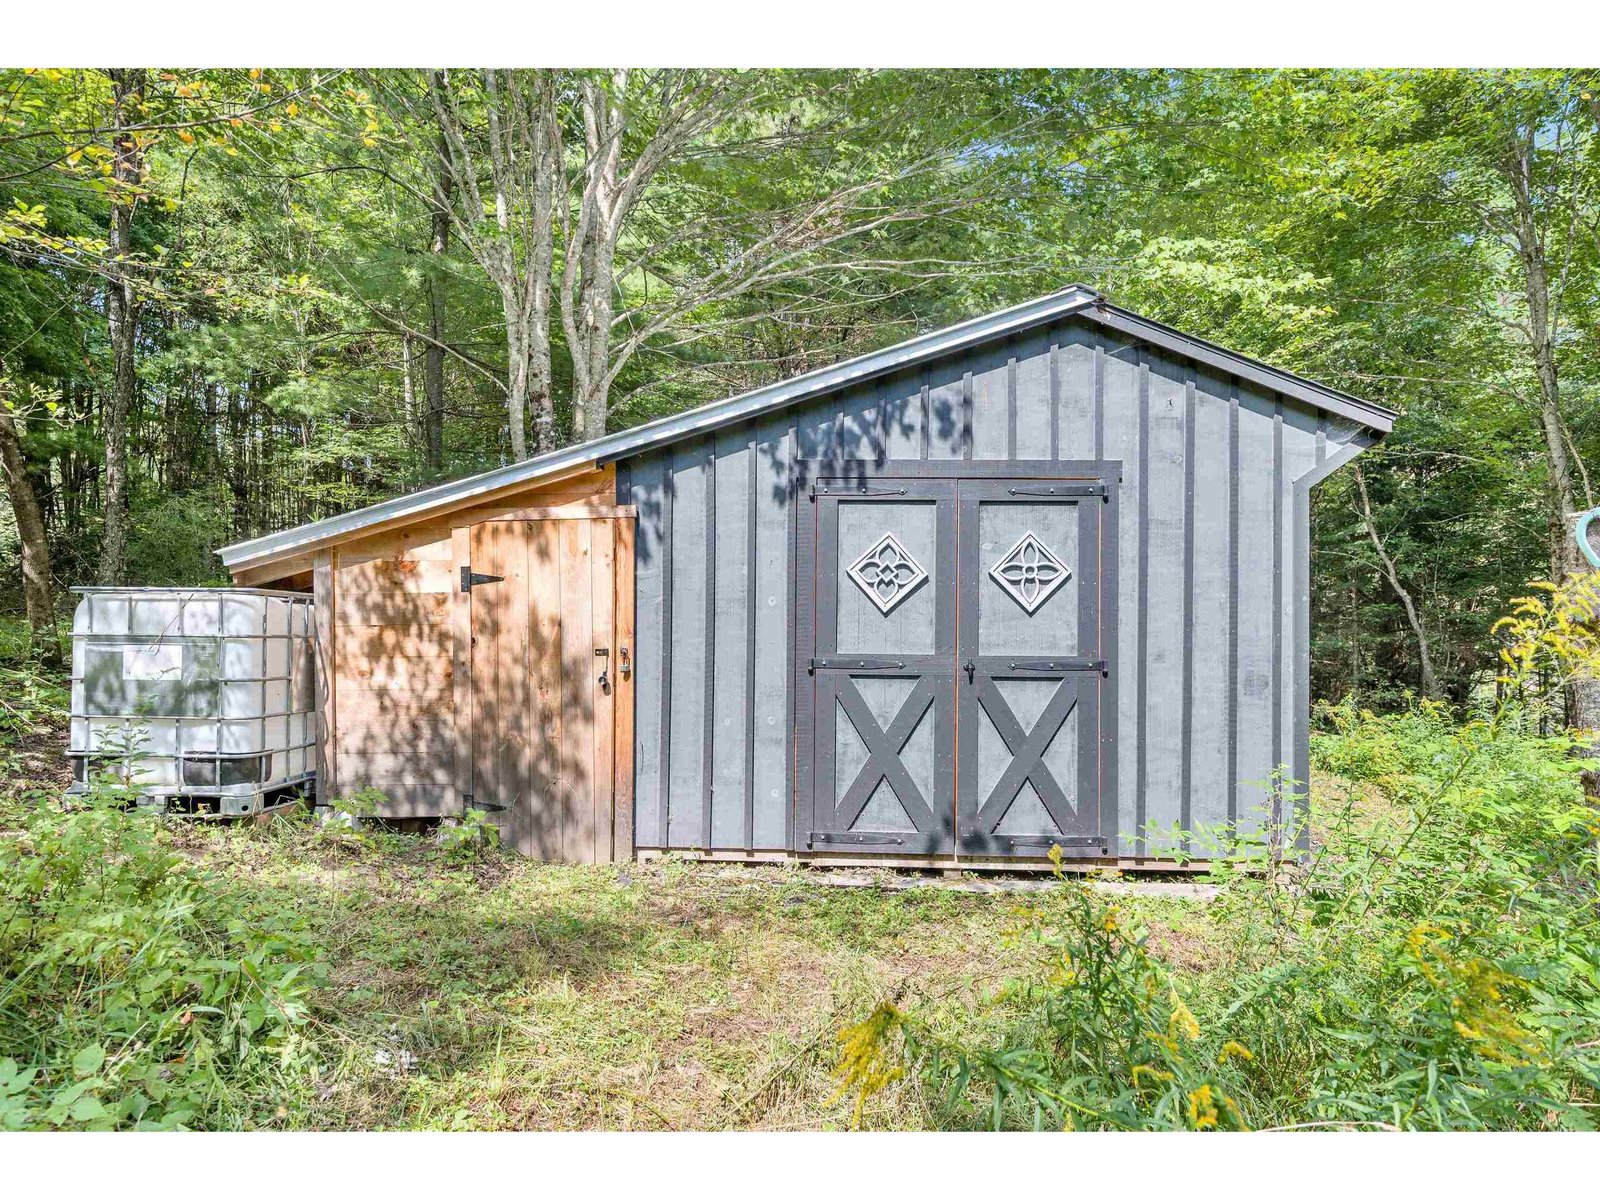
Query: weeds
(137, 991)
(1434, 964)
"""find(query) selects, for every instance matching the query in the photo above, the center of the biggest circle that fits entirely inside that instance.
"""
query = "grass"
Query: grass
(506, 994)
(512, 994)
(1432, 966)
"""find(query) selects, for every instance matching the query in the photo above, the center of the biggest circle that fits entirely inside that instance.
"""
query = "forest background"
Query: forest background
(235, 300)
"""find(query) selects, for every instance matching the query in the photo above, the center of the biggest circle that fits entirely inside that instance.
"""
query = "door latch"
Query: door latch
(604, 652)
(970, 668)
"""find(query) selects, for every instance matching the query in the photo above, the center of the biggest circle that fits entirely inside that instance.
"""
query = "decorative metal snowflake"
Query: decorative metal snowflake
(1030, 573)
(887, 573)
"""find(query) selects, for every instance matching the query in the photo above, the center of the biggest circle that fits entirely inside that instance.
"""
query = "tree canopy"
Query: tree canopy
(235, 300)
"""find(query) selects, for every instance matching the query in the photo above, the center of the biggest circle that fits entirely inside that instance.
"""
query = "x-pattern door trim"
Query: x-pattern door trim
(1027, 750)
(830, 806)
(1082, 704)
(957, 686)
(883, 752)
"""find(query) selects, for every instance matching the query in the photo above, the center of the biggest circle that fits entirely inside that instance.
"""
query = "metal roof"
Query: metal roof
(1076, 299)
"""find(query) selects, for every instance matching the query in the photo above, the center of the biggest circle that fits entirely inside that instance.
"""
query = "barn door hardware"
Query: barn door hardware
(625, 667)
(468, 800)
(855, 664)
(856, 839)
(603, 652)
(862, 489)
(1044, 839)
(1061, 489)
(1060, 664)
(471, 578)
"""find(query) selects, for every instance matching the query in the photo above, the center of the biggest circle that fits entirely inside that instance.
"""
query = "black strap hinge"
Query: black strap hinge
(856, 664)
(1099, 665)
(471, 578)
(1066, 843)
(854, 489)
(855, 839)
(1066, 490)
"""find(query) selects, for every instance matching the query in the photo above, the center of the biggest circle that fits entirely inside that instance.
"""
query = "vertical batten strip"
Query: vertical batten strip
(880, 424)
(966, 415)
(1277, 607)
(927, 421)
(1234, 689)
(1301, 807)
(1186, 787)
(1143, 703)
(1099, 387)
(669, 486)
(791, 724)
(750, 648)
(708, 702)
(1055, 395)
(1011, 406)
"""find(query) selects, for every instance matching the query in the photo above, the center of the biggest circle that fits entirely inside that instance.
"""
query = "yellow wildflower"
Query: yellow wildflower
(1182, 1021)
(1231, 1049)
(867, 1057)
(1155, 1074)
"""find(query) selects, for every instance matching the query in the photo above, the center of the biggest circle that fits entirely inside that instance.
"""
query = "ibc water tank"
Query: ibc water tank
(202, 699)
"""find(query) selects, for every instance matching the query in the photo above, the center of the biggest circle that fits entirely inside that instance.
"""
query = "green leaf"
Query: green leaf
(88, 1108)
(88, 1060)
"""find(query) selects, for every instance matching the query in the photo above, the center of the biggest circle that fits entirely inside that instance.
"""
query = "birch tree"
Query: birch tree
(588, 199)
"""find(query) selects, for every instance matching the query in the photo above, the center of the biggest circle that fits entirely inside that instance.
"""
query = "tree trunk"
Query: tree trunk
(1566, 560)
(591, 404)
(516, 369)
(521, 136)
(433, 365)
(36, 592)
(122, 317)
(589, 329)
(1430, 682)
(408, 390)
(548, 177)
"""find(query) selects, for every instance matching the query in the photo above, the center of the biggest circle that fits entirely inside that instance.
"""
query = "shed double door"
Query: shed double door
(550, 708)
(958, 667)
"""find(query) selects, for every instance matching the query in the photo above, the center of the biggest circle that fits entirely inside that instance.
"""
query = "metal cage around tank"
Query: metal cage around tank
(200, 699)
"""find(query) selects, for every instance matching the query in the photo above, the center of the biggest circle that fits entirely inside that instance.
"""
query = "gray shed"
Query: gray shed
(1040, 579)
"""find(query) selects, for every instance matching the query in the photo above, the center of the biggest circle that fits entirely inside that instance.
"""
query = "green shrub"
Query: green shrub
(1435, 964)
(136, 991)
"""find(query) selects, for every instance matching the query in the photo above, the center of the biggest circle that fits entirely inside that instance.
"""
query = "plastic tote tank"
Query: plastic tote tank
(202, 698)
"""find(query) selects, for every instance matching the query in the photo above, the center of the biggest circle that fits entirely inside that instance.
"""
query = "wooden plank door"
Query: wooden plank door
(882, 751)
(1034, 627)
(550, 617)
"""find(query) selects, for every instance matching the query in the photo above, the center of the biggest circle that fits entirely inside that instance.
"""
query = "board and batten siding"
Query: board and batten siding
(1213, 576)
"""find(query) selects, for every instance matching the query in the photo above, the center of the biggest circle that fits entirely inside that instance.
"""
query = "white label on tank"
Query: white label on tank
(152, 662)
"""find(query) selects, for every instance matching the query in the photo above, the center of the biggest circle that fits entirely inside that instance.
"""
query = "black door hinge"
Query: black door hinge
(1062, 490)
(855, 839)
(470, 578)
(853, 489)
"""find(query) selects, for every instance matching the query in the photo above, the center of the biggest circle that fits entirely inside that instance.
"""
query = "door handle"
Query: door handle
(969, 668)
